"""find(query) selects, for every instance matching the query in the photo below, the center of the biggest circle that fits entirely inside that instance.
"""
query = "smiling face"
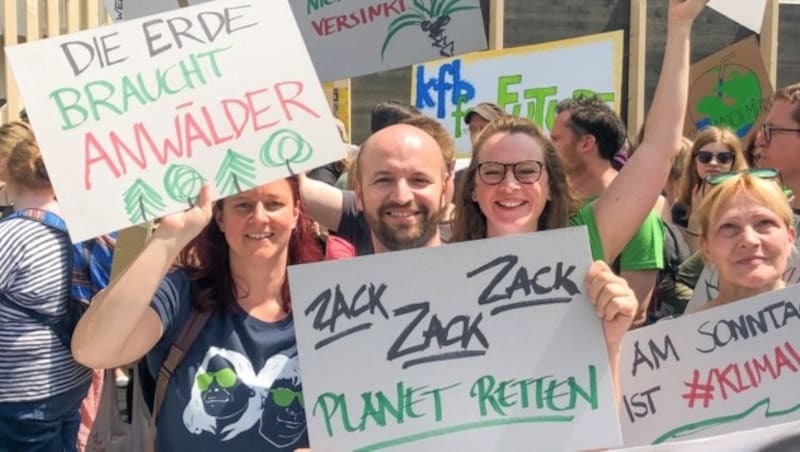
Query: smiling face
(400, 186)
(511, 207)
(258, 223)
(748, 243)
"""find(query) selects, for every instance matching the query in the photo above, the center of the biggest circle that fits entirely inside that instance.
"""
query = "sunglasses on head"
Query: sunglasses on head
(761, 173)
(705, 157)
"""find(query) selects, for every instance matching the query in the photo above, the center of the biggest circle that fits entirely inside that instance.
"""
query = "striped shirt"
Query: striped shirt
(34, 266)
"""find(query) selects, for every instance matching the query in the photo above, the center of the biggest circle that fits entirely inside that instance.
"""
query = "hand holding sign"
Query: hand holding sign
(184, 226)
(613, 300)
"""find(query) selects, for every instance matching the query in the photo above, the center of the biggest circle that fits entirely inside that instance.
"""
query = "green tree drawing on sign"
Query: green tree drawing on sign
(283, 147)
(142, 202)
(235, 174)
(182, 183)
(432, 17)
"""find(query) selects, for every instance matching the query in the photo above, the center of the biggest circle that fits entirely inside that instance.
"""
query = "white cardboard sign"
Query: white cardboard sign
(479, 346)
(525, 81)
(357, 37)
(133, 118)
(716, 371)
(748, 13)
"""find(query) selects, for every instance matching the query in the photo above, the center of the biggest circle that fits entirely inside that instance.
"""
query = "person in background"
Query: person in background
(480, 116)
(41, 385)
(11, 133)
(778, 140)
(715, 150)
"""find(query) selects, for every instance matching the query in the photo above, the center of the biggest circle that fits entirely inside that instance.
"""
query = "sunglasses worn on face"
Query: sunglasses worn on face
(525, 171)
(761, 173)
(767, 130)
(284, 397)
(705, 157)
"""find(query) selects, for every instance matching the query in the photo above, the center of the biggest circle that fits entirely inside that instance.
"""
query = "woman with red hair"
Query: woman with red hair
(238, 386)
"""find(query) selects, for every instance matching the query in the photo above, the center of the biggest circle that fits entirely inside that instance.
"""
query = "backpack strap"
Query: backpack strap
(56, 222)
(197, 320)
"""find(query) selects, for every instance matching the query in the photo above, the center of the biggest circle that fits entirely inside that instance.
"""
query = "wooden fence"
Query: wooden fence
(29, 20)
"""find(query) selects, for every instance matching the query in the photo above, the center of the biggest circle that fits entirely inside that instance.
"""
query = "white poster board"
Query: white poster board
(470, 347)
(775, 438)
(357, 37)
(525, 81)
(132, 118)
(747, 13)
(720, 370)
(707, 287)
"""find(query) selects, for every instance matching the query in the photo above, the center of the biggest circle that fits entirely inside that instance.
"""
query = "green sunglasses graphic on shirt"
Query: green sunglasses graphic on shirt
(283, 397)
(226, 378)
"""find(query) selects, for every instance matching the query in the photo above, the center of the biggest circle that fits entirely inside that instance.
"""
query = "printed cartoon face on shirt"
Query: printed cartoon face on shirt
(283, 420)
(228, 398)
(223, 392)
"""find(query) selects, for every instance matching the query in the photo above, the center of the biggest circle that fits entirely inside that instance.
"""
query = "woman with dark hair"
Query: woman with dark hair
(238, 385)
(41, 385)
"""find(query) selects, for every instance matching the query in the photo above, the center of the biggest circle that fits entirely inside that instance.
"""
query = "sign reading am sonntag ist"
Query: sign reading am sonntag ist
(479, 346)
(133, 118)
(525, 81)
(720, 370)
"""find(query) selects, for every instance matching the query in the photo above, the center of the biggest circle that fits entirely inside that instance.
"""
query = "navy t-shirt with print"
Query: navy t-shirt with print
(238, 387)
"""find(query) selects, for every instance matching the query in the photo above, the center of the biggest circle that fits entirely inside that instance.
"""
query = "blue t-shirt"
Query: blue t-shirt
(238, 387)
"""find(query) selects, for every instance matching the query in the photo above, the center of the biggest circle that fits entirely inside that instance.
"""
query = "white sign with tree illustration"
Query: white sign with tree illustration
(357, 37)
(133, 118)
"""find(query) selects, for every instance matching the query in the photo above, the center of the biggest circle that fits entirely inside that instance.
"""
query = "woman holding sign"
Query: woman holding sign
(515, 182)
(238, 385)
(747, 233)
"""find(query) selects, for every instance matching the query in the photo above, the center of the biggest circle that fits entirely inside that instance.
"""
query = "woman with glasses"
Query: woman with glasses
(238, 386)
(747, 232)
(716, 150)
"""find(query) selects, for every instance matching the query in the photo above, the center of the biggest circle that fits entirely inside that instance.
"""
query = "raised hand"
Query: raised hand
(685, 11)
(613, 300)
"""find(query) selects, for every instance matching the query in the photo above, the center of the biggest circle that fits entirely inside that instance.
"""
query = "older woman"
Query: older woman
(41, 386)
(238, 386)
(747, 233)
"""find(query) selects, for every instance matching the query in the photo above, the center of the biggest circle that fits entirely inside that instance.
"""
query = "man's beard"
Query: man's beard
(405, 238)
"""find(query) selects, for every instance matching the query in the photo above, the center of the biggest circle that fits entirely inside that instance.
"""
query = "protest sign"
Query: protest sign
(748, 13)
(339, 97)
(357, 37)
(729, 88)
(775, 438)
(471, 347)
(525, 81)
(720, 370)
(133, 118)
(707, 287)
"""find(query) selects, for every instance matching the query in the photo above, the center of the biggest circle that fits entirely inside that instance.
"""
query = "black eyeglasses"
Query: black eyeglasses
(723, 158)
(525, 171)
(761, 173)
(767, 129)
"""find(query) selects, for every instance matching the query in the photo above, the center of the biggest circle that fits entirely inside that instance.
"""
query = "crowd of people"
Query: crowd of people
(238, 385)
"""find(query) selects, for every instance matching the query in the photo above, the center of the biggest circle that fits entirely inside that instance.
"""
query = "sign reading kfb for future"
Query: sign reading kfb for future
(486, 345)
